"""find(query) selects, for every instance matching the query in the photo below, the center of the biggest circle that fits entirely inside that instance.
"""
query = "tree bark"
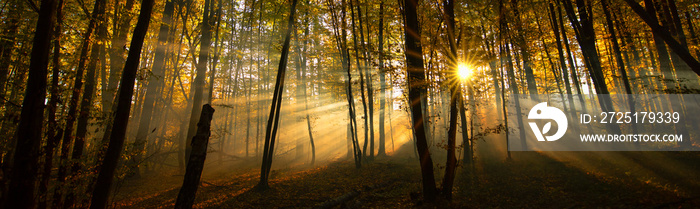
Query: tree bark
(199, 79)
(52, 129)
(195, 165)
(382, 82)
(416, 84)
(121, 115)
(122, 19)
(455, 86)
(28, 134)
(155, 83)
(7, 43)
(273, 120)
(524, 52)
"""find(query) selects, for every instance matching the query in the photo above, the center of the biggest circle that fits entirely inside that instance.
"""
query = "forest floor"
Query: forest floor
(529, 180)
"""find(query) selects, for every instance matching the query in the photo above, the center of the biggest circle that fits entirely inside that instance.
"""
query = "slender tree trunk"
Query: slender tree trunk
(75, 98)
(86, 101)
(382, 83)
(362, 77)
(618, 58)
(121, 115)
(273, 121)
(524, 52)
(53, 132)
(28, 134)
(586, 38)
(562, 60)
(417, 84)
(455, 99)
(122, 23)
(153, 89)
(7, 43)
(658, 30)
(199, 79)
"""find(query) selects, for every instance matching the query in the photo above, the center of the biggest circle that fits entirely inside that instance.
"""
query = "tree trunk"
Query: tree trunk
(74, 99)
(153, 89)
(618, 58)
(199, 79)
(658, 30)
(121, 115)
(86, 101)
(362, 77)
(52, 129)
(28, 134)
(562, 60)
(7, 42)
(416, 84)
(195, 165)
(273, 121)
(586, 37)
(382, 83)
(116, 55)
(455, 99)
(524, 52)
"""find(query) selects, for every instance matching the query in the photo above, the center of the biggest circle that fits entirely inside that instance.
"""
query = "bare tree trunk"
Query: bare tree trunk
(86, 101)
(185, 198)
(53, 132)
(273, 121)
(663, 33)
(416, 84)
(7, 42)
(382, 83)
(455, 99)
(28, 134)
(153, 90)
(74, 99)
(524, 52)
(122, 19)
(199, 79)
(121, 115)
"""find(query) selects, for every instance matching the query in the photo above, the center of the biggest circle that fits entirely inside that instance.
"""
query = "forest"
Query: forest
(347, 103)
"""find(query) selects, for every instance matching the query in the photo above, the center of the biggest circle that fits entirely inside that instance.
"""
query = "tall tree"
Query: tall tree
(75, 96)
(153, 90)
(123, 107)
(664, 34)
(417, 83)
(382, 82)
(122, 24)
(53, 132)
(28, 135)
(273, 121)
(524, 51)
(455, 99)
(7, 42)
(198, 92)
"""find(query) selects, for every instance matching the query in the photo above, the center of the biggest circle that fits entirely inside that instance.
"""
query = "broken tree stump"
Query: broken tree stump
(195, 165)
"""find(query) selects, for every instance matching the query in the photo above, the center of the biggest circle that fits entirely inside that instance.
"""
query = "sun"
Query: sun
(463, 71)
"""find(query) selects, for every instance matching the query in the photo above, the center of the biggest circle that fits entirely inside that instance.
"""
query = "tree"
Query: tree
(121, 115)
(185, 198)
(416, 84)
(455, 99)
(28, 135)
(382, 83)
(663, 33)
(154, 85)
(273, 120)
(201, 74)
